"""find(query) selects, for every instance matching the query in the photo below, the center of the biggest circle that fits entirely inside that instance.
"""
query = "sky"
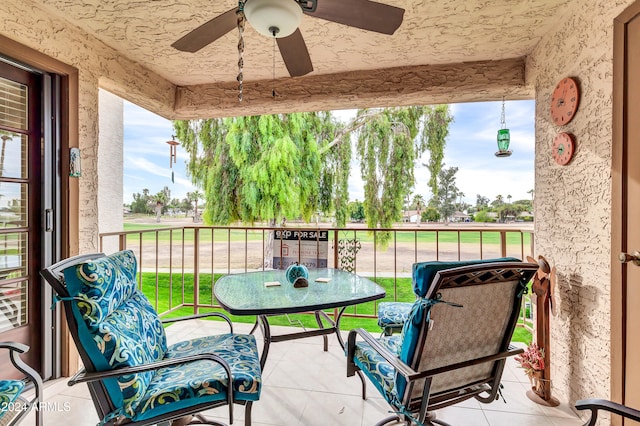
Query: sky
(470, 146)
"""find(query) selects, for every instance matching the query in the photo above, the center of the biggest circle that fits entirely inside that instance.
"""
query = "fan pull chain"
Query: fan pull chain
(240, 23)
(273, 91)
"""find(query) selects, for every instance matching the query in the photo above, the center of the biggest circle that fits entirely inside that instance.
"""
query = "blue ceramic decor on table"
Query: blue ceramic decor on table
(297, 275)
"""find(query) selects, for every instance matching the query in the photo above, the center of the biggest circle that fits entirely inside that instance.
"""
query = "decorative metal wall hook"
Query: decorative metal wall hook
(75, 169)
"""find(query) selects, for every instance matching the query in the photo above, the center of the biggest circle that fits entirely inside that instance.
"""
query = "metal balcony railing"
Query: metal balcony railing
(179, 266)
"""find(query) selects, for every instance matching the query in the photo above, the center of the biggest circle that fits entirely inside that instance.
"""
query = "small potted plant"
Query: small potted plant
(532, 361)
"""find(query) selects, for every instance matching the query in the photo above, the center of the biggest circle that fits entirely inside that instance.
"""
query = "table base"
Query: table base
(323, 331)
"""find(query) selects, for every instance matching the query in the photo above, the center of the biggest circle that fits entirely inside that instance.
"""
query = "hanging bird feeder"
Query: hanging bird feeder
(503, 136)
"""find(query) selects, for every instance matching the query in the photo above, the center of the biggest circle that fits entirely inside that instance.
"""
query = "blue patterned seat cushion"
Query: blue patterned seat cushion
(379, 371)
(204, 381)
(393, 313)
(117, 325)
(9, 392)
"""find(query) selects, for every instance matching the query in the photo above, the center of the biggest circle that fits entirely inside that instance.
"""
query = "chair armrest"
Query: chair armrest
(595, 404)
(15, 349)
(84, 376)
(14, 346)
(407, 372)
(197, 316)
(391, 358)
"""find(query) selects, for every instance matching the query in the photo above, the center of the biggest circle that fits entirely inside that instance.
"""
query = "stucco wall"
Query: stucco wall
(98, 66)
(573, 203)
(110, 166)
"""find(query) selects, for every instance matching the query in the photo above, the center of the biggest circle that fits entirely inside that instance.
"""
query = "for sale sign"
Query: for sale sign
(308, 247)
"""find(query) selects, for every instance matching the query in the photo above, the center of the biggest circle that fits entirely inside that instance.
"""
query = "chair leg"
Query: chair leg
(430, 420)
(440, 422)
(387, 420)
(196, 419)
(255, 326)
(247, 413)
(364, 385)
(38, 388)
(182, 421)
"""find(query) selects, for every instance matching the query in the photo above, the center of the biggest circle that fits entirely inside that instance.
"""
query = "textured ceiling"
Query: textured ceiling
(433, 32)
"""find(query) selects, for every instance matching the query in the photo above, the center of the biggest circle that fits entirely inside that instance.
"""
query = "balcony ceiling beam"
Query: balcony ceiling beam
(401, 86)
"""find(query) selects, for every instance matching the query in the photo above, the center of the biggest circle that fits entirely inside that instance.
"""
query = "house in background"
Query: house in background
(64, 59)
(460, 217)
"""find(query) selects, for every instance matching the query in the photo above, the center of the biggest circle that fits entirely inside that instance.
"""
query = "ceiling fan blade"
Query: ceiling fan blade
(208, 32)
(295, 54)
(364, 14)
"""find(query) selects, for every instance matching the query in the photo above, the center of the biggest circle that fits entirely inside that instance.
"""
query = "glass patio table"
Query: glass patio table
(249, 294)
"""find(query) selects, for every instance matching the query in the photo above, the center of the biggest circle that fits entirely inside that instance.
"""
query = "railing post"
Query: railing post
(503, 243)
(531, 238)
(196, 269)
(335, 265)
(335, 249)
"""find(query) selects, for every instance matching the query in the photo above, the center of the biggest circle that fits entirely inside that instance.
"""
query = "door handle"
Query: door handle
(48, 220)
(626, 257)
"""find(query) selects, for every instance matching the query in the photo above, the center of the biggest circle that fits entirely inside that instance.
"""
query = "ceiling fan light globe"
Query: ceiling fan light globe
(264, 15)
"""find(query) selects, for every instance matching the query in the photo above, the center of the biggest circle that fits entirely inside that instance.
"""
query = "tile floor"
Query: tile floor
(304, 386)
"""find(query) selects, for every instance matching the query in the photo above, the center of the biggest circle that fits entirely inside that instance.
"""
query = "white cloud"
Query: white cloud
(146, 155)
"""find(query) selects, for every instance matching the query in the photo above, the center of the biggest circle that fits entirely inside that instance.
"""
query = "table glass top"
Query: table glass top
(246, 294)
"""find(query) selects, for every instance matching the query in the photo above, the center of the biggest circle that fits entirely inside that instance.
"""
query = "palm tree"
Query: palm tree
(194, 197)
(418, 202)
(162, 199)
(532, 192)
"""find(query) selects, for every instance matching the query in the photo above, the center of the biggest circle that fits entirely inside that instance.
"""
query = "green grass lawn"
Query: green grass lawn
(170, 295)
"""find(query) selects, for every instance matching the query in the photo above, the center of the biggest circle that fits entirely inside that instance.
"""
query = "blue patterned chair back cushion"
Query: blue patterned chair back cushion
(424, 272)
(117, 325)
(413, 330)
(9, 392)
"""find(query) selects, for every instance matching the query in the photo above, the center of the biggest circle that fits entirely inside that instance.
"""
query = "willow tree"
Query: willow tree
(334, 184)
(271, 167)
(260, 168)
(433, 138)
(389, 145)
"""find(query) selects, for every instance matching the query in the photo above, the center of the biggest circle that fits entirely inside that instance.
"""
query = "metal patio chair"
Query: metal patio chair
(392, 315)
(595, 404)
(14, 406)
(132, 375)
(453, 345)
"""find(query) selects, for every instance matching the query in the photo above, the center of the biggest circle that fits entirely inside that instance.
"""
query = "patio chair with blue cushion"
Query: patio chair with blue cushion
(133, 376)
(14, 406)
(453, 345)
(392, 315)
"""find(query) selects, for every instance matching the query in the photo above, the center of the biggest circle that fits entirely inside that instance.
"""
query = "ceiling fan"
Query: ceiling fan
(280, 19)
